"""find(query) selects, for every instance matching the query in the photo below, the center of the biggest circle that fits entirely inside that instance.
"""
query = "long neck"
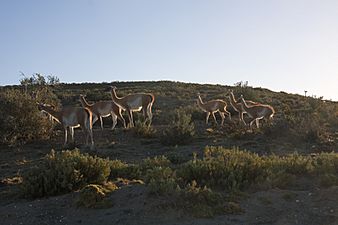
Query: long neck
(200, 102)
(84, 101)
(114, 96)
(245, 106)
(57, 115)
(232, 98)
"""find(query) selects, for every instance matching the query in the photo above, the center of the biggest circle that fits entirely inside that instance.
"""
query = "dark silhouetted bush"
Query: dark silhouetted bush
(20, 119)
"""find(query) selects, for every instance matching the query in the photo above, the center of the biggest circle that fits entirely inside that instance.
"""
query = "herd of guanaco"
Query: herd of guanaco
(72, 117)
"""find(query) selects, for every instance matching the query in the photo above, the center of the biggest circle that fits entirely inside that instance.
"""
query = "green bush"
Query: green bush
(157, 161)
(141, 129)
(236, 170)
(161, 180)
(325, 163)
(61, 172)
(199, 201)
(177, 157)
(119, 169)
(20, 119)
(229, 169)
(156, 172)
(291, 164)
(180, 131)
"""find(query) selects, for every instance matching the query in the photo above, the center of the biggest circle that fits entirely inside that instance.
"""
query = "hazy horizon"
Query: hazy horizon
(289, 46)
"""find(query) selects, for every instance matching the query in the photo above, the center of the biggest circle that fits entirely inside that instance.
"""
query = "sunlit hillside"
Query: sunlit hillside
(178, 170)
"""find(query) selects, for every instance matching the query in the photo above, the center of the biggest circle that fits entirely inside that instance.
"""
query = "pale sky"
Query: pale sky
(282, 45)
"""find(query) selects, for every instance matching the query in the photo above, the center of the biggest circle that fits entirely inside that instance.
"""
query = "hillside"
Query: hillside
(289, 184)
(306, 124)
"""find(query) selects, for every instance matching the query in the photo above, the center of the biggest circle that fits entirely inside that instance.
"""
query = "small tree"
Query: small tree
(39, 79)
(53, 80)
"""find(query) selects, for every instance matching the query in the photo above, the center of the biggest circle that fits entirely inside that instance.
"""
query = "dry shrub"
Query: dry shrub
(62, 172)
(229, 169)
(200, 201)
(180, 131)
(143, 130)
(94, 195)
(20, 119)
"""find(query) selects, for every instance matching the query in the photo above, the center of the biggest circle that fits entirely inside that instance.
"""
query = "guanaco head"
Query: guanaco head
(229, 94)
(229, 91)
(81, 99)
(113, 87)
(82, 96)
(39, 106)
(42, 106)
(241, 98)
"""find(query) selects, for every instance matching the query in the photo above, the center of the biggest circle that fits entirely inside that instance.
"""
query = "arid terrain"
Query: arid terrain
(303, 200)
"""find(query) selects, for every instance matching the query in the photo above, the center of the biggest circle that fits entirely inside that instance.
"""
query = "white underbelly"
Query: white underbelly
(106, 115)
(136, 109)
(75, 126)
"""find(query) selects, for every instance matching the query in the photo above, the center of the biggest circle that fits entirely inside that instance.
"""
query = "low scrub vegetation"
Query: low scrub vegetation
(199, 184)
(229, 169)
(62, 172)
(143, 130)
(180, 131)
(94, 195)
(191, 185)
(200, 201)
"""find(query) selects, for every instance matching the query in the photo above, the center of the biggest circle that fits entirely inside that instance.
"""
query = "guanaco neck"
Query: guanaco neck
(114, 96)
(245, 106)
(200, 102)
(57, 115)
(84, 102)
(232, 98)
